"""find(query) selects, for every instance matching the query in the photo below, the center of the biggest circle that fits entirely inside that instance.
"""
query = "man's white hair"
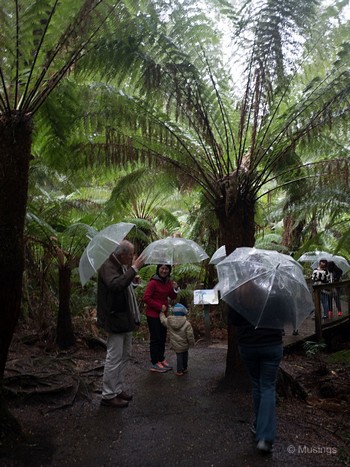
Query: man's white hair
(124, 247)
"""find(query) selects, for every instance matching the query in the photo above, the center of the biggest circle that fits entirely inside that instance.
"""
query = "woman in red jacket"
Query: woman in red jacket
(158, 290)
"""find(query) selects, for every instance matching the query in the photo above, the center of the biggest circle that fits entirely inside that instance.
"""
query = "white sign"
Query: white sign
(205, 297)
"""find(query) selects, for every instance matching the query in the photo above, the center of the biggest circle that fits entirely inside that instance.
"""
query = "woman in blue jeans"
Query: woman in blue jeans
(261, 351)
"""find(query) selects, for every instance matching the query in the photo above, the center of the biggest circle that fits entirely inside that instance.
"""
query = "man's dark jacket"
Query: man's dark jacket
(112, 295)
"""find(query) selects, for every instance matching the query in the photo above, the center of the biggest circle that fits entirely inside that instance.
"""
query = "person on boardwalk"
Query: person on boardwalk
(118, 315)
(181, 335)
(261, 351)
(335, 274)
(320, 275)
(157, 293)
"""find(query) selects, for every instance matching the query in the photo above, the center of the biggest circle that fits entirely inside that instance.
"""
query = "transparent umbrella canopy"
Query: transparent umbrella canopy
(266, 287)
(174, 250)
(218, 256)
(314, 258)
(100, 247)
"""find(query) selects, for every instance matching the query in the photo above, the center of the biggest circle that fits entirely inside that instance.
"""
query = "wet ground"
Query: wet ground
(193, 420)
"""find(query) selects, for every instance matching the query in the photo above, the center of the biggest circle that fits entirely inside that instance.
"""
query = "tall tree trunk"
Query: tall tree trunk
(65, 334)
(237, 222)
(15, 146)
(237, 226)
(233, 360)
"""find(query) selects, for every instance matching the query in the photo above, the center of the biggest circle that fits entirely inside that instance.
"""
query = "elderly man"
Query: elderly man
(118, 314)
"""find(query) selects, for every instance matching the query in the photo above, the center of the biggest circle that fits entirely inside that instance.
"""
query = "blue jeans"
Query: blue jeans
(326, 305)
(262, 363)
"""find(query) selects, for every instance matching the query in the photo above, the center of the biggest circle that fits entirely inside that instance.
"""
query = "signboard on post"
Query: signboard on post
(205, 297)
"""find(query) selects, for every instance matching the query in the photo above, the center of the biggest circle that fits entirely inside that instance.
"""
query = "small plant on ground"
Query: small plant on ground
(315, 351)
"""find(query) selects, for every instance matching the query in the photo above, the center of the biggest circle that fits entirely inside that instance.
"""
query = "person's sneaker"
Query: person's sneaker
(330, 314)
(158, 367)
(179, 373)
(264, 446)
(123, 395)
(166, 365)
(115, 402)
(340, 313)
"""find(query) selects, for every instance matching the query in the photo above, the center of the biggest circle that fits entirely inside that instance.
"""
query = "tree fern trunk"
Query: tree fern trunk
(65, 335)
(15, 146)
(237, 226)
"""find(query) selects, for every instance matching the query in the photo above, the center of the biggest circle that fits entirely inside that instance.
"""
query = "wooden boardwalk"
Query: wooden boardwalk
(314, 326)
(306, 332)
(307, 329)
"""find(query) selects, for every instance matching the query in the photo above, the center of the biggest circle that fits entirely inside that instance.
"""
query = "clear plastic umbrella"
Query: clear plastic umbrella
(266, 287)
(174, 250)
(219, 255)
(100, 247)
(314, 258)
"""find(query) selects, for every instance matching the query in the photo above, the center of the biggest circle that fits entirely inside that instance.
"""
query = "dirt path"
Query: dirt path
(192, 420)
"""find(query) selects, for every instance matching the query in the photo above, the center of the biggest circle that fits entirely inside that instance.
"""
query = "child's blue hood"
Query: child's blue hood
(179, 310)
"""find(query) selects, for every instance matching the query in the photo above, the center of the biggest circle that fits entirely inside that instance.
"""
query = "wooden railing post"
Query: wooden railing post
(206, 311)
(332, 287)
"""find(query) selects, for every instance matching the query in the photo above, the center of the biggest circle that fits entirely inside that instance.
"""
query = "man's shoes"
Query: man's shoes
(179, 373)
(115, 402)
(124, 396)
(158, 368)
(264, 447)
(166, 365)
(340, 313)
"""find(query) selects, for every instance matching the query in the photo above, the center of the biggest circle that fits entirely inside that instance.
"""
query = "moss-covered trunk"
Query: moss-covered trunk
(292, 233)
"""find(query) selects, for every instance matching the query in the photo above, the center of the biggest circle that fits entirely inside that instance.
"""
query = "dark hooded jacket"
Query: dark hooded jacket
(248, 335)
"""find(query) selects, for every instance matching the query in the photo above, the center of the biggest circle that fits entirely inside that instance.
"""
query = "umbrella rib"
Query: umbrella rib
(266, 298)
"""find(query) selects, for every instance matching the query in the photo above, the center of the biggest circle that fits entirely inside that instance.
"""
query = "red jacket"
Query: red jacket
(156, 294)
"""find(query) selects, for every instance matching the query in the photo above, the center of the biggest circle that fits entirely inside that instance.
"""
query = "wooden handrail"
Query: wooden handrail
(317, 301)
